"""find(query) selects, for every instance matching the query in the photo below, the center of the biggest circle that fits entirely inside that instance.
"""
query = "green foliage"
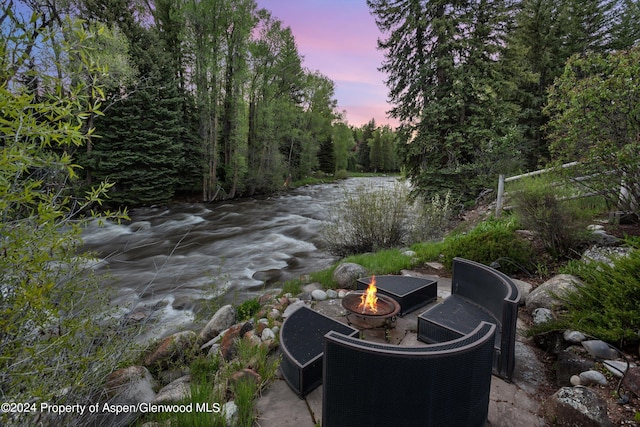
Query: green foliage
(607, 306)
(488, 242)
(342, 139)
(341, 174)
(369, 219)
(325, 277)
(433, 217)
(595, 119)
(293, 287)
(559, 224)
(57, 342)
(388, 261)
(446, 94)
(428, 251)
(248, 308)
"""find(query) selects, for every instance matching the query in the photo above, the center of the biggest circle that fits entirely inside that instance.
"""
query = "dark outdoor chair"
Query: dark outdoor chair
(301, 341)
(446, 385)
(478, 293)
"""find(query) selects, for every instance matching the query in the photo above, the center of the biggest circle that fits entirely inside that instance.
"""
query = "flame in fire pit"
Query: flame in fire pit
(369, 300)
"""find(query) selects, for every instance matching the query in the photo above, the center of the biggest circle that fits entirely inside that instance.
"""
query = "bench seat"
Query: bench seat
(454, 317)
(301, 341)
(478, 294)
(373, 384)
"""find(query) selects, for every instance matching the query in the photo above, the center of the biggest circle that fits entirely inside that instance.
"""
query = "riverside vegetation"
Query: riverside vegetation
(606, 307)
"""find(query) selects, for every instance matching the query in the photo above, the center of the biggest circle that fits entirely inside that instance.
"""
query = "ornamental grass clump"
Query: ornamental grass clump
(369, 219)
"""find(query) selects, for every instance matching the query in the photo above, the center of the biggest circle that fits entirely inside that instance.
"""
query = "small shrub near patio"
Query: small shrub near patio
(607, 306)
(559, 224)
(368, 220)
(432, 218)
(489, 242)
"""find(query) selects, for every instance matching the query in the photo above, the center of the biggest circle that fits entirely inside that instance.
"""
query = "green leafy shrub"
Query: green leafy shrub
(248, 308)
(341, 174)
(369, 219)
(607, 306)
(559, 224)
(488, 242)
(57, 344)
(593, 110)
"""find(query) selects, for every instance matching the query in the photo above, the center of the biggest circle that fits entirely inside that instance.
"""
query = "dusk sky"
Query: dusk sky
(338, 38)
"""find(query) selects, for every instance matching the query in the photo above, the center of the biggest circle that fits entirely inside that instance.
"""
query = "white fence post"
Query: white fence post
(500, 201)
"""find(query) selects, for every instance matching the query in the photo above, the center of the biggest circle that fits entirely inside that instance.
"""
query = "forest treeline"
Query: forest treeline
(469, 82)
(205, 98)
(211, 97)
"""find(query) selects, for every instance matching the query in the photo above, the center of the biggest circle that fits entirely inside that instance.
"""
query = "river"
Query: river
(166, 261)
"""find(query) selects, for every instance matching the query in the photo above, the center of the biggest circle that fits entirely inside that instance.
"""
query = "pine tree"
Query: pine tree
(443, 79)
(140, 148)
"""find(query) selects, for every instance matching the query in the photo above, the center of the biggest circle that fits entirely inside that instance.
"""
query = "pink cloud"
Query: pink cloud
(338, 38)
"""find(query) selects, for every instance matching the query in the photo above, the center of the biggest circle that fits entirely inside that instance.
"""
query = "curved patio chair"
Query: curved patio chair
(445, 384)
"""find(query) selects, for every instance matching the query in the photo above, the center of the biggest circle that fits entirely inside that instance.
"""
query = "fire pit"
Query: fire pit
(369, 310)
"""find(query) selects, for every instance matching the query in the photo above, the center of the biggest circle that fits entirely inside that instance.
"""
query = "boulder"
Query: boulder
(175, 391)
(223, 319)
(524, 288)
(605, 254)
(319, 295)
(573, 337)
(592, 377)
(228, 344)
(230, 413)
(345, 275)
(545, 295)
(631, 380)
(245, 374)
(577, 406)
(128, 386)
(134, 384)
(541, 316)
(172, 348)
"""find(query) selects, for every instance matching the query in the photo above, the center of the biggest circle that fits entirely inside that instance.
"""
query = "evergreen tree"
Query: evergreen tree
(140, 147)
(625, 31)
(443, 79)
(546, 34)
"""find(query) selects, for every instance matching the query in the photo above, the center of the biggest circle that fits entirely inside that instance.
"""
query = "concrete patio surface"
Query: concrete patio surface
(511, 404)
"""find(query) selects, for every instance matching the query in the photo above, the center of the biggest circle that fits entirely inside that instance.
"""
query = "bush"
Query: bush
(369, 219)
(432, 219)
(57, 344)
(341, 174)
(593, 110)
(248, 308)
(489, 242)
(559, 224)
(607, 306)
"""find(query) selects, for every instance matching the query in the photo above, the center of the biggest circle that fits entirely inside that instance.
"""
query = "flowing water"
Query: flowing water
(167, 260)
